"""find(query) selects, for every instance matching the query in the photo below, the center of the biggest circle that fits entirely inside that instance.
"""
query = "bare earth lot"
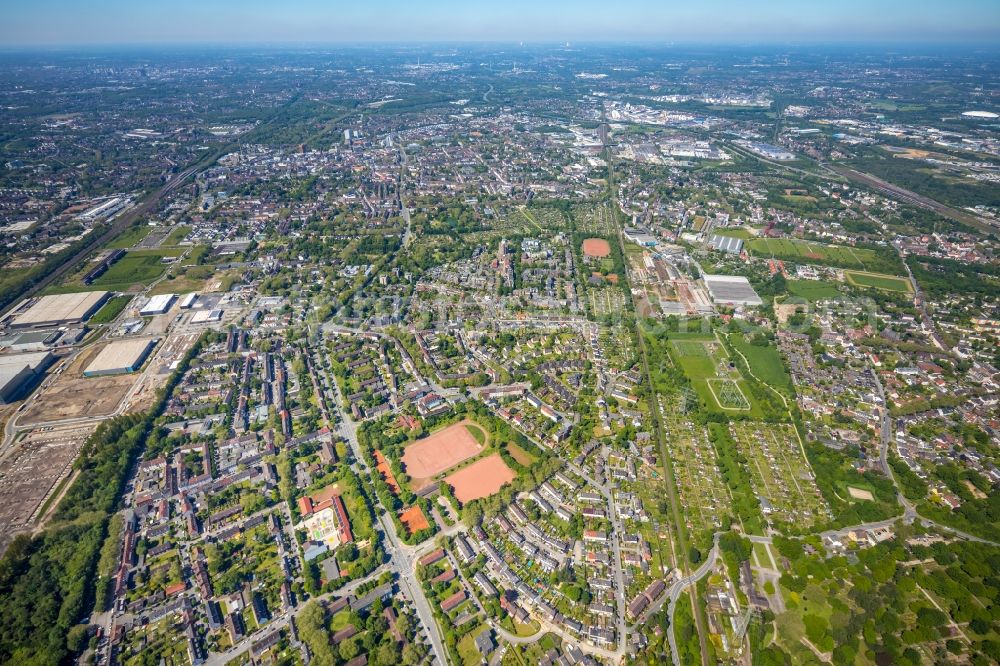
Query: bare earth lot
(78, 397)
(29, 471)
(426, 458)
(158, 369)
(482, 478)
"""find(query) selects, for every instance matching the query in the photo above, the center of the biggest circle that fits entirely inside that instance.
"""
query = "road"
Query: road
(617, 531)
(918, 299)
(402, 558)
(677, 589)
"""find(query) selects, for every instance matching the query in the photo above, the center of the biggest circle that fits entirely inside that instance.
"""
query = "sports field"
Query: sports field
(596, 247)
(482, 478)
(878, 281)
(812, 290)
(382, 465)
(428, 457)
(807, 251)
(414, 520)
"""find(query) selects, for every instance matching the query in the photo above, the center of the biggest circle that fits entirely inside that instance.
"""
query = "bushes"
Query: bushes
(914, 488)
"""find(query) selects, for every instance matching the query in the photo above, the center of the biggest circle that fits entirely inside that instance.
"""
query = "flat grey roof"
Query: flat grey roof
(120, 355)
(733, 289)
(59, 308)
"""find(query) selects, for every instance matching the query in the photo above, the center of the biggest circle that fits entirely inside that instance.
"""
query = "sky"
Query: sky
(123, 22)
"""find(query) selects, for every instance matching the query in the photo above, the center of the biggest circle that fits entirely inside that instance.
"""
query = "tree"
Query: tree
(76, 638)
(414, 653)
(349, 649)
(387, 654)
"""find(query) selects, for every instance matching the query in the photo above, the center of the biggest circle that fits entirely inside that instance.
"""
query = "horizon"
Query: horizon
(62, 23)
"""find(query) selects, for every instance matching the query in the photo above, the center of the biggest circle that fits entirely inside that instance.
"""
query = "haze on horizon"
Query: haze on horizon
(118, 22)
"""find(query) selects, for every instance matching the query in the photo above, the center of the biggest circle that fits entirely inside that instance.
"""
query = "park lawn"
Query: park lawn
(878, 281)
(765, 362)
(812, 290)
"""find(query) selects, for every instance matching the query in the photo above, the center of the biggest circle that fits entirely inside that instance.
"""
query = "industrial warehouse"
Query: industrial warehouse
(19, 372)
(120, 357)
(731, 290)
(60, 310)
(157, 305)
(729, 244)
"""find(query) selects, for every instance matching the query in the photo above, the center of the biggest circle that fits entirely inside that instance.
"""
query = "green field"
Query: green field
(110, 310)
(131, 270)
(706, 364)
(727, 394)
(842, 256)
(734, 232)
(812, 290)
(765, 362)
(695, 358)
(878, 281)
(130, 236)
(177, 234)
(136, 267)
(478, 433)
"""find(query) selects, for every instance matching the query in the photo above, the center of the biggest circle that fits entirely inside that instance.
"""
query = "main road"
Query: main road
(402, 558)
